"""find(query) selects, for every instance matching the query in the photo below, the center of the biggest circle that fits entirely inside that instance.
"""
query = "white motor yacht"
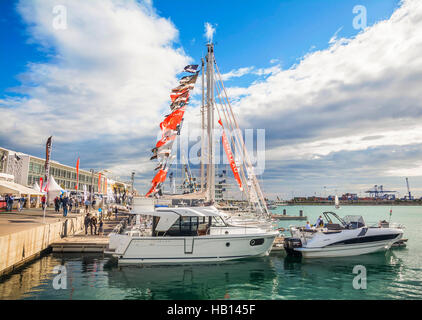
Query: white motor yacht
(186, 235)
(340, 237)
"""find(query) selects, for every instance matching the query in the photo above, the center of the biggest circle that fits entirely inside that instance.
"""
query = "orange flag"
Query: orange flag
(159, 178)
(99, 183)
(77, 174)
(173, 119)
(229, 154)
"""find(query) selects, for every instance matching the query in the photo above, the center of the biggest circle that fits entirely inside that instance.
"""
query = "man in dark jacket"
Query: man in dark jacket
(10, 202)
(56, 204)
(94, 223)
(87, 222)
(65, 202)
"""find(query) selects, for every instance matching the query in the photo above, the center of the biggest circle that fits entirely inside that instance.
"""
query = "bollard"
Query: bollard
(301, 213)
(284, 212)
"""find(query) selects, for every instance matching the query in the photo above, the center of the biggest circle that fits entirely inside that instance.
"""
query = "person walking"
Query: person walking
(65, 202)
(71, 200)
(56, 204)
(100, 228)
(116, 211)
(86, 205)
(6, 199)
(87, 223)
(43, 200)
(10, 202)
(94, 224)
(20, 203)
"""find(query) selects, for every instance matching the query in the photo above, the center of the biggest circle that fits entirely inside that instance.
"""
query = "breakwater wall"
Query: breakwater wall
(18, 248)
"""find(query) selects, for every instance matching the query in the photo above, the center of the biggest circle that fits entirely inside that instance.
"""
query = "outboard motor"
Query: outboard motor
(290, 244)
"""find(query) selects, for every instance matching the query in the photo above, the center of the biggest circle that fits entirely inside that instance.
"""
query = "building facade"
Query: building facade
(28, 170)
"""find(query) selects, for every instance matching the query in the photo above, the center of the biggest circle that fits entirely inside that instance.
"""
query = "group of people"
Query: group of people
(65, 203)
(319, 224)
(91, 221)
(9, 198)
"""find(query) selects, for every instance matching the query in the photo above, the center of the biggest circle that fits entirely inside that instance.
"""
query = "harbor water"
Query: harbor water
(396, 274)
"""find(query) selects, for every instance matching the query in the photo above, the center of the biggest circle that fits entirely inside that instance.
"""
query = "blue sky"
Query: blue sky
(248, 33)
(329, 108)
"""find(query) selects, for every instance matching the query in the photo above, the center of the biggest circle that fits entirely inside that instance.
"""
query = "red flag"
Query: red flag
(173, 119)
(182, 94)
(99, 183)
(229, 154)
(168, 135)
(77, 175)
(159, 178)
(41, 182)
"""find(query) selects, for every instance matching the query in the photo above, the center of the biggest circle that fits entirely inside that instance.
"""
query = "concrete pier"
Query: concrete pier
(285, 217)
(24, 236)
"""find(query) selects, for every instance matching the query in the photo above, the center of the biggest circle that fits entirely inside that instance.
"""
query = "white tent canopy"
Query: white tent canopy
(54, 190)
(16, 189)
(36, 187)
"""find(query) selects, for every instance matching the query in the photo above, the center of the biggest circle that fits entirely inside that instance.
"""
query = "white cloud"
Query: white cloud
(236, 73)
(240, 72)
(109, 74)
(209, 31)
(364, 86)
(334, 37)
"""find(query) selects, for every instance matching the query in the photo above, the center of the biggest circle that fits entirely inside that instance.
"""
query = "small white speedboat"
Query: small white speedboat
(340, 237)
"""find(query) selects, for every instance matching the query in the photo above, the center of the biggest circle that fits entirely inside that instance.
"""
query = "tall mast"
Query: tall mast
(203, 130)
(210, 124)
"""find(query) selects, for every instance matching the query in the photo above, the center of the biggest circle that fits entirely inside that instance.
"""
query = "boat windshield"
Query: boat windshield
(332, 217)
(354, 221)
(217, 222)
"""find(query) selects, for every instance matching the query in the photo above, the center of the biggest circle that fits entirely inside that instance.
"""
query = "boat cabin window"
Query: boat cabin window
(186, 226)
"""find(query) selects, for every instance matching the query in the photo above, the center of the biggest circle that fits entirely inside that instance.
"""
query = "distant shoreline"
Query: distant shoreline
(353, 204)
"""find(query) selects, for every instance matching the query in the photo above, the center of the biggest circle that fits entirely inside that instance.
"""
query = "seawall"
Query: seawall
(18, 248)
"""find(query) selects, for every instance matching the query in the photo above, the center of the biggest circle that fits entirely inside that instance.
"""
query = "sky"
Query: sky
(335, 84)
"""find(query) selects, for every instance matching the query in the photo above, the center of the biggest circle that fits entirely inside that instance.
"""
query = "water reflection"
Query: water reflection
(199, 281)
(274, 277)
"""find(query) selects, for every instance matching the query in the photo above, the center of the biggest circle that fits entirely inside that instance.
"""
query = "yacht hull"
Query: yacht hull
(187, 250)
(345, 250)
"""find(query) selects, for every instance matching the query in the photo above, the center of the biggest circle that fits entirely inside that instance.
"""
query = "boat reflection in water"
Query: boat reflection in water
(197, 281)
(272, 277)
(321, 278)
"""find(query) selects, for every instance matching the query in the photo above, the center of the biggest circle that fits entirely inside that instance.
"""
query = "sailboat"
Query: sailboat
(336, 202)
(166, 235)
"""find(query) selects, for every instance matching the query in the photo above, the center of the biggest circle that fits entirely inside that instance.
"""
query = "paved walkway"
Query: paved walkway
(11, 222)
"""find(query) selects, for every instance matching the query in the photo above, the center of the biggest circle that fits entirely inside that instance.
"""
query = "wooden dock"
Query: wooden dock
(81, 243)
(88, 243)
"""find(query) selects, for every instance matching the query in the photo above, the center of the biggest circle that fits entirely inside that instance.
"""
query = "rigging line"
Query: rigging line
(260, 194)
(244, 179)
(244, 150)
(242, 173)
(251, 203)
(255, 182)
(229, 122)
